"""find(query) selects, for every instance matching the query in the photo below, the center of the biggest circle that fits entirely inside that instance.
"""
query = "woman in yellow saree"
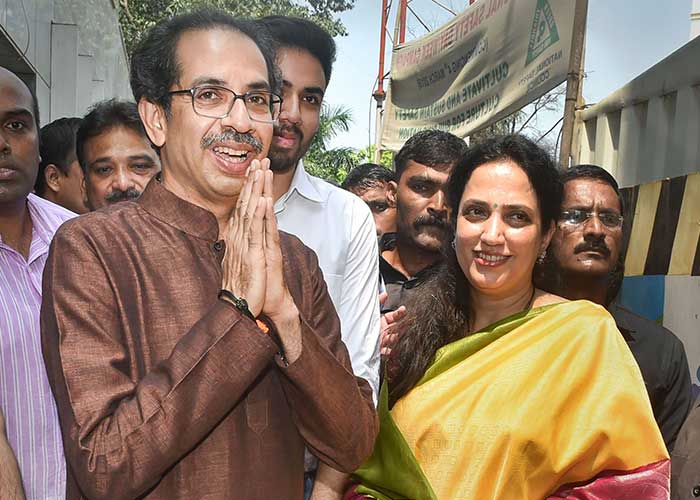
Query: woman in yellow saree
(498, 390)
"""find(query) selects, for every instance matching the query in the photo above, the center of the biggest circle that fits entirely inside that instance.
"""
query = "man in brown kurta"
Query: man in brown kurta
(166, 385)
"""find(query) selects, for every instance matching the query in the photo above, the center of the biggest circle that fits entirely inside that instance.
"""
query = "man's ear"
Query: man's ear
(153, 118)
(391, 193)
(83, 190)
(547, 237)
(52, 177)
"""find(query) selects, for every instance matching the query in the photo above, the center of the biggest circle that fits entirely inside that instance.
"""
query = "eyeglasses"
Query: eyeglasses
(213, 101)
(576, 217)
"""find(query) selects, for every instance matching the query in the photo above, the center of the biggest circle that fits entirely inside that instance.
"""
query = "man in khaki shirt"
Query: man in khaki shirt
(192, 348)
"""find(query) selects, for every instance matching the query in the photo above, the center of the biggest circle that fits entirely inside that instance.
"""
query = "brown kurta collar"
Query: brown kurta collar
(174, 211)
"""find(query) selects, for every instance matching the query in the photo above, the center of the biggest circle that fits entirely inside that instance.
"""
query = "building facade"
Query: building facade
(70, 52)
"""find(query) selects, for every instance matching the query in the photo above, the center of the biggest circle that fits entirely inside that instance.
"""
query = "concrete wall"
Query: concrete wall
(70, 51)
(695, 19)
(646, 131)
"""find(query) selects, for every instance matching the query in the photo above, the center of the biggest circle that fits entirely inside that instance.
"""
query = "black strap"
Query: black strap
(239, 302)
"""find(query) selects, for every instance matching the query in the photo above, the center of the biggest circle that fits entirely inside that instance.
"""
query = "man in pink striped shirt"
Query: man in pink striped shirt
(27, 225)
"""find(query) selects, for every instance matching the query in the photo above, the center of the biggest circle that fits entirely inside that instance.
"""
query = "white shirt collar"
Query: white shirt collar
(303, 183)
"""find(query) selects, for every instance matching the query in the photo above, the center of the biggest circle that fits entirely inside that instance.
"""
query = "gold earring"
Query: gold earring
(542, 257)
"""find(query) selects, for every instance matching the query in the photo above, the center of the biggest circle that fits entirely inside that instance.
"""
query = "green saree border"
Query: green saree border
(450, 355)
(392, 463)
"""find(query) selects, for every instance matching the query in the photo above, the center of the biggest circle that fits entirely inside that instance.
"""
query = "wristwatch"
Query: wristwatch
(265, 326)
(238, 302)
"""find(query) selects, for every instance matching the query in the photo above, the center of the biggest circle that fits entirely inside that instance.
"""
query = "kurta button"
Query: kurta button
(696, 491)
(219, 246)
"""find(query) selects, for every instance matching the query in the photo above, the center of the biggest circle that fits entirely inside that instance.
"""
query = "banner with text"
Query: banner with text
(491, 60)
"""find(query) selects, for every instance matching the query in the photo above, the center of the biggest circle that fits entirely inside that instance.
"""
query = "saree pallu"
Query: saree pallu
(548, 403)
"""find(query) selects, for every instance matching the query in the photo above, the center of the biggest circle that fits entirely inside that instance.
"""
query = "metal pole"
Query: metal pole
(399, 37)
(397, 23)
(382, 45)
(378, 133)
(402, 24)
(380, 95)
(573, 82)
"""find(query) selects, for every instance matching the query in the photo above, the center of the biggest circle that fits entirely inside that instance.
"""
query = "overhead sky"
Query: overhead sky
(625, 37)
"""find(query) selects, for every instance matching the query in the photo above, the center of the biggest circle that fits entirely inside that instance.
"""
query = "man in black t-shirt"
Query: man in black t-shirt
(422, 167)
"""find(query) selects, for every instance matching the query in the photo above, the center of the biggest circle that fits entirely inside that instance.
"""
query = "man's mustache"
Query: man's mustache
(430, 220)
(229, 135)
(289, 128)
(592, 246)
(119, 195)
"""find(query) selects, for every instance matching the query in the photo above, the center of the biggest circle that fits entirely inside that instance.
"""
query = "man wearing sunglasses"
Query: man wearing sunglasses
(584, 261)
(192, 348)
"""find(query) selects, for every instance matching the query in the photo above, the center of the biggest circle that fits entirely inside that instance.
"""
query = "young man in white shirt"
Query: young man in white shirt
(337, 225)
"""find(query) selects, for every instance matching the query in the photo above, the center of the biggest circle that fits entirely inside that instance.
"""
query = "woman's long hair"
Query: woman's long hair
(440, 310)
(436, 315)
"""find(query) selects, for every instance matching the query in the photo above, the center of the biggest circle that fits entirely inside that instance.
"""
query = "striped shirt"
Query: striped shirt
(25, 396)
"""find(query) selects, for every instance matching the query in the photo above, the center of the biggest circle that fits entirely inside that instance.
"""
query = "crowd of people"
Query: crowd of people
(187, 313)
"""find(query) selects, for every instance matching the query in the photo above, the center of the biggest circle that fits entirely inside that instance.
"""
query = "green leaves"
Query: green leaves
(333, 164)
(136, 16)
(330, 164)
